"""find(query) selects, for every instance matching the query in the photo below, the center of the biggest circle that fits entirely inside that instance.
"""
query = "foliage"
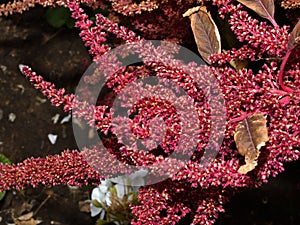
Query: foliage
(59, 16)
(3, 160)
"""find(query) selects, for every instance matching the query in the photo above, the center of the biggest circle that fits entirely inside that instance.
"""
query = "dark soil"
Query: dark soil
(59, 55)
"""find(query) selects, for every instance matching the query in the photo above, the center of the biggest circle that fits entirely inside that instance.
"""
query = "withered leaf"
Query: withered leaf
(264, 8)
(239, 64)
(250, 135)
(191, 11)
(84, 206)
(26, 216)
(25, 219)
(206, 33)
(26, 222)
(294, 36)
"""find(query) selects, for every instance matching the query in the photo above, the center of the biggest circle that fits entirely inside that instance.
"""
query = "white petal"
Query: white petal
(103, 188)
(55, 118)
(107, 198)
(97, 195)
(139, 173)
(52, 138)
(120, 180)
(102, 214)
(135, 189)
(121, 190)
(65, 119)
(12, 117)
(105, 184)
(138, 181)
(95, 210)
(142, 172)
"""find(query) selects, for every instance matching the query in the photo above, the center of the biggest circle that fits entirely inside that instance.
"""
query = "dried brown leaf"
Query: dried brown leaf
(25, 219)
(239, 64)
(294, 36)
(264, 8)
(191, 11)
(206, 33)
(250, 135)
(26, 222)
(84, 206)
(26, 216)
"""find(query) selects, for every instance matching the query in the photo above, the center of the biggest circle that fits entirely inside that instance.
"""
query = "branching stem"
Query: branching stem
(281, 71)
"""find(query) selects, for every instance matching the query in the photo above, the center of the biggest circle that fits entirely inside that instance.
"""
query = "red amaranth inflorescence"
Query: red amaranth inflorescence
(272, 88)
(67, 168)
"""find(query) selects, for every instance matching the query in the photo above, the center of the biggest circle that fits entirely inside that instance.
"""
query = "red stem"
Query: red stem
(279, 92)
(282, 66)
(240, 118)
(295, 134)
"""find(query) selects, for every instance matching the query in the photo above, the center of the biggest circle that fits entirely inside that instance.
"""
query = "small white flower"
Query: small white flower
(102, 195)
(126, 184)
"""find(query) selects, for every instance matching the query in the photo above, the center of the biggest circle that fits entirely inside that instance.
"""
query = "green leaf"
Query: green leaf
(135, 200)
(2, 194)
(70, 23)
(3, 160)
(57, 17)
(103, 222)
(97, 204)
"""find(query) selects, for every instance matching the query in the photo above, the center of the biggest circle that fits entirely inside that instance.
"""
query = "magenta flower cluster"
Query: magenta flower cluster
(67, 168)
(194, 191)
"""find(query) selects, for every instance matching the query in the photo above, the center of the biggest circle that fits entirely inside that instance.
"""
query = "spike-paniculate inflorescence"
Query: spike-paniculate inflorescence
(272, 89)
